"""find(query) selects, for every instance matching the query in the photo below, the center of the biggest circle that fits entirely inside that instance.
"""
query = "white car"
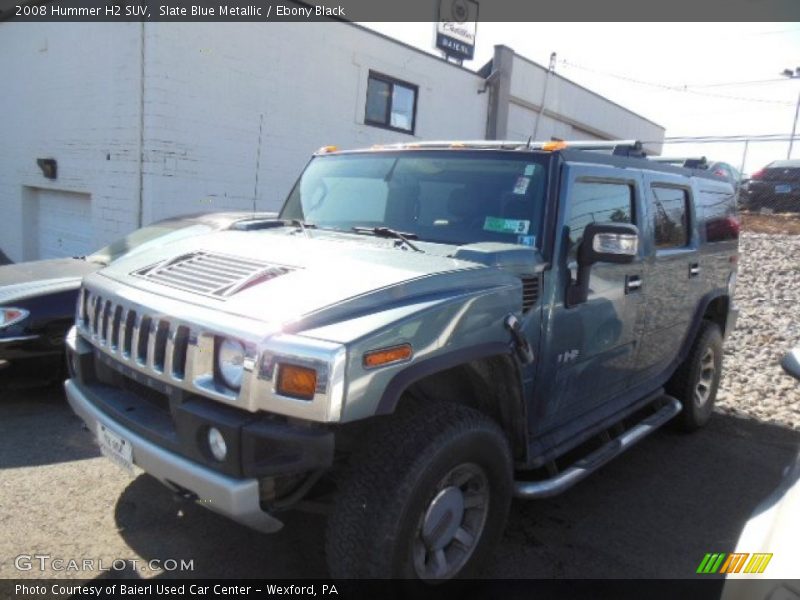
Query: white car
(773, 528)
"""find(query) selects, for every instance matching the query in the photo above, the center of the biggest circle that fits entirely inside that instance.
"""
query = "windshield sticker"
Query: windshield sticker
(522, 185)
(500, 225)
(528, 170)
(526, 240)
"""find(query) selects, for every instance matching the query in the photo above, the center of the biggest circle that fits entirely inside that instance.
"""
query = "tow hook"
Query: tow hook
(521, 345)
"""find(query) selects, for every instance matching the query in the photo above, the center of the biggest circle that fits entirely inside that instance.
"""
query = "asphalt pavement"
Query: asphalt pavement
(652, 513)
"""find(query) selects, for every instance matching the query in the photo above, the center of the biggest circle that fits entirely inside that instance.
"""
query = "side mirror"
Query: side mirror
(791, 363)
(602, 242)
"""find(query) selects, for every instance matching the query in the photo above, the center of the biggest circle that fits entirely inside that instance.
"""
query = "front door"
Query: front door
(591, 347)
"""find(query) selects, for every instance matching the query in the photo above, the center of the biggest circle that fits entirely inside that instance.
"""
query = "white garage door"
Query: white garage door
(63, 223)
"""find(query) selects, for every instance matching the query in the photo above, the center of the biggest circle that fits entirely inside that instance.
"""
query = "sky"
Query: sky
(680, 75)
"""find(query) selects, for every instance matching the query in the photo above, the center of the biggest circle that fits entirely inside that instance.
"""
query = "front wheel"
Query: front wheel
(426, 497)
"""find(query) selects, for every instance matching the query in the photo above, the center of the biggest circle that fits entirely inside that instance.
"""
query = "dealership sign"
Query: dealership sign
(455, 30)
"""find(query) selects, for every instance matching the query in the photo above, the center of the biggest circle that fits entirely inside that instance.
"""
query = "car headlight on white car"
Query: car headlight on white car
(230, 362)
(10, 316)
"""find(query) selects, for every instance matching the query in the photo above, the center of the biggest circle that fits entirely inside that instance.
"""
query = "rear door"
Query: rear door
(672, 271)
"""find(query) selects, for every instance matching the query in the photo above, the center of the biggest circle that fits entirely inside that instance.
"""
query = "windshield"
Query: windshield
(147, 237)
(458, 197)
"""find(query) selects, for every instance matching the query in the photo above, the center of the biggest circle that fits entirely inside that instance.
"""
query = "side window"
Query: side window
(597, 202)
(719, 214)
(671, 217)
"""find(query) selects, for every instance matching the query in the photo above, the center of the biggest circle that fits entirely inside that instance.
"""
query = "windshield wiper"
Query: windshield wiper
(390, 233)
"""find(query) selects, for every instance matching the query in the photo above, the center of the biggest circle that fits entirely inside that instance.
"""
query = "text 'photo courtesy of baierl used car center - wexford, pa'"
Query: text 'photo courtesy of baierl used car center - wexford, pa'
(434, 299)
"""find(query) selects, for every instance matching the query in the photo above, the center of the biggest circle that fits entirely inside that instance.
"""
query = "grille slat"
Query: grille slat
(215, 275)
(113, 341)
(179, 350)
(150, 346)
(96, 315)
(142, 340)
(160, 342)
(105, 322)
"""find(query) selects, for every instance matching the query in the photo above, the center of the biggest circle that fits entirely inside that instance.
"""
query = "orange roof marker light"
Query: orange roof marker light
(554, 145)
(327, 149)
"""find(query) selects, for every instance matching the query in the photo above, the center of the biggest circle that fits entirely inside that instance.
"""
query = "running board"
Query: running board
(589, 464)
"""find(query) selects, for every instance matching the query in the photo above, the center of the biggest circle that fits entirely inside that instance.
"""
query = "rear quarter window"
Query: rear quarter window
(718, 211)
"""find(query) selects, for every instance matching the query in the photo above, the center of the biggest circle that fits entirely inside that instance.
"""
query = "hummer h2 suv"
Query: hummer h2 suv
(425, 331)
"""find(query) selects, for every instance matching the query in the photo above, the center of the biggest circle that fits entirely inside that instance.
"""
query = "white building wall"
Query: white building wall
(570, 111)
(69, 93)
(166, 117)
(209, 85)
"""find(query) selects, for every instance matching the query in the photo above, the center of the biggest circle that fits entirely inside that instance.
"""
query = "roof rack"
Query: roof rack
(502, 144)
(617, 147)
(693, 162)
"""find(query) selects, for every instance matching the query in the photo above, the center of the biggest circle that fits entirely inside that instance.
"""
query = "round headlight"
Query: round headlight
(230, 362)
(217, 445)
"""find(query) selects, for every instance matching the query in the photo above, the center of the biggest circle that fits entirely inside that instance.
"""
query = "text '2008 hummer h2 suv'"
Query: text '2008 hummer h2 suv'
(424, 332)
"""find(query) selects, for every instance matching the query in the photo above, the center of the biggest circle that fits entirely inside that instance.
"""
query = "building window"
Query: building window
(390, 103)
(671, 216)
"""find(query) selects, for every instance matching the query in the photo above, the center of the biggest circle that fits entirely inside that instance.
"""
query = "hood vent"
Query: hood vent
(215, 275)
(530, 292)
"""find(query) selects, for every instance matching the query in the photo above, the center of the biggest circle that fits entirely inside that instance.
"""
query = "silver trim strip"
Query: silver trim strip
(19, 338)
(237, 499)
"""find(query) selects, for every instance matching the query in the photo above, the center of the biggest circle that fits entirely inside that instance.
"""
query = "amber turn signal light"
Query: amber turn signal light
(386, 356)
(297, 382)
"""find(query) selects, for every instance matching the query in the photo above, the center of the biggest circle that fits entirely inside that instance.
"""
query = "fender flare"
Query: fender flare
(435, 364)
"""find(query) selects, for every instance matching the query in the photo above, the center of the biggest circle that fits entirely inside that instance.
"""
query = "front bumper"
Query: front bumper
(167, 428)
(237, 499)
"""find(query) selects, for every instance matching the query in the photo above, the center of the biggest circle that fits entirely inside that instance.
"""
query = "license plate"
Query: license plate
(115, 447)
(783, 189)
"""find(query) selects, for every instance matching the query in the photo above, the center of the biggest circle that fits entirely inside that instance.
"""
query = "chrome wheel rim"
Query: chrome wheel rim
(451, 525)
(702, 390)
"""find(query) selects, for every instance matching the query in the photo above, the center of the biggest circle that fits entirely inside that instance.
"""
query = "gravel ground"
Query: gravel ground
(768, 295)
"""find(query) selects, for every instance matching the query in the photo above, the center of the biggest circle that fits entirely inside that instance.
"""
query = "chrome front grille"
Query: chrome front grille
(214, 275)
(151, 342)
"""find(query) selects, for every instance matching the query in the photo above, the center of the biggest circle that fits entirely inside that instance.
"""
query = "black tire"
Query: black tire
(693, 383)
(400, 474)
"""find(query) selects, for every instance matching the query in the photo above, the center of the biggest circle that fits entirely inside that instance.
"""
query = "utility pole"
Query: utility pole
(793, 75)
(550, 70)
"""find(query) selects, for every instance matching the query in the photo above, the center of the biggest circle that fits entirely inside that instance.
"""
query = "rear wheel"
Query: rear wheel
(426, 497)
(696, 381)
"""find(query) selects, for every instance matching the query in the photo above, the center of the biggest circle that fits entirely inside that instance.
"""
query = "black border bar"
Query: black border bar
(402, 11)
